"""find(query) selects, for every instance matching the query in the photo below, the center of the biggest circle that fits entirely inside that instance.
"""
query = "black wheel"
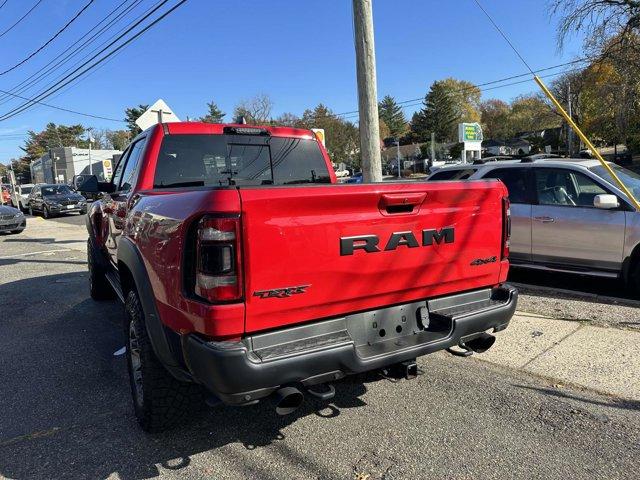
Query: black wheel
(83, 211)
(30, 210)
(633, 281)
(45, 212)
(99, 286)
(17, 231)
(160, 401)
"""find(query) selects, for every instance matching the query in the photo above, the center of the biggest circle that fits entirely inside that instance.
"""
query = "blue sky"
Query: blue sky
(299, 52)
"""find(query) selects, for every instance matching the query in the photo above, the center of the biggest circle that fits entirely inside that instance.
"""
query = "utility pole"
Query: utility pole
(398, 157)
(569, 129)
(90, 162)
(367, 91)
(433, 147)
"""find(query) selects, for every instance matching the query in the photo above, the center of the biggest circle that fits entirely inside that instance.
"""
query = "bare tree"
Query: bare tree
(256, 110)
(601, 21)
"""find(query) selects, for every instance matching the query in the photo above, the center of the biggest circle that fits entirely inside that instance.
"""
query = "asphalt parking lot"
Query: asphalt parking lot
(66, 408)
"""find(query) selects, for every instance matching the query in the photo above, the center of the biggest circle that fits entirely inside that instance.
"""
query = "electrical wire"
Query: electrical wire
(504, 36)
(4, 3)
(49, 69)
(60, 85)
(20, 19)
(44, 45)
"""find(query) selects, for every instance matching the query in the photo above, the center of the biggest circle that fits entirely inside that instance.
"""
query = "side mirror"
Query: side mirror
(86, 183)
(606, 202)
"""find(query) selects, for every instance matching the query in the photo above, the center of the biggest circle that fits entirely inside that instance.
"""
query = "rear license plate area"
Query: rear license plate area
(393, 322)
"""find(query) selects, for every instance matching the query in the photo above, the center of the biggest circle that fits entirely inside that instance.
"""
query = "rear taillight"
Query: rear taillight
(506, 226)
(219, 262)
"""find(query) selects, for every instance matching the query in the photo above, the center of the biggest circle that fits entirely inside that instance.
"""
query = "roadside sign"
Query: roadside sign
(469, 132)
(108, 168)
(159, 112)
(319, 135)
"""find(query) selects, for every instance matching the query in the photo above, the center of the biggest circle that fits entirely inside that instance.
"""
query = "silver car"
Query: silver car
(20, 198)
(567, 215)
(11, 219)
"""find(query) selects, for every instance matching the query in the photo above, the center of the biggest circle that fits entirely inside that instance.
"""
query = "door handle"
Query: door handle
(544, 219)
(401, 203)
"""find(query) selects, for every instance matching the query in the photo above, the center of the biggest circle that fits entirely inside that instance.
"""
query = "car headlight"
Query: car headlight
(18, 215)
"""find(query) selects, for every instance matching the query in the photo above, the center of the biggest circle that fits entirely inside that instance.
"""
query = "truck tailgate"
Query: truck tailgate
(414, 241)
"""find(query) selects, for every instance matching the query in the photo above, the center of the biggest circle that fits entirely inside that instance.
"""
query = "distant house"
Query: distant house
(513, 146)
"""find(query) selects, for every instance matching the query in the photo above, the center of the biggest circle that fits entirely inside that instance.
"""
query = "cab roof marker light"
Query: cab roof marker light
(246, 131)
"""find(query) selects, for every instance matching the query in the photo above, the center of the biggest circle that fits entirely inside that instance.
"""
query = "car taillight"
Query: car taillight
(506, 226)
(219, 260)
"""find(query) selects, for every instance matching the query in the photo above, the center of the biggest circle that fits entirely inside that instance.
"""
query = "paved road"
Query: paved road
(66, 408)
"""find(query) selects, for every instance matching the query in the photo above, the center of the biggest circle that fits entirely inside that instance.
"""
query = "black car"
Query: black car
(55, 199)
(11, 219)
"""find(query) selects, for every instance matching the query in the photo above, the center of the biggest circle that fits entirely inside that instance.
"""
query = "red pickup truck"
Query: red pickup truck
(247, 272)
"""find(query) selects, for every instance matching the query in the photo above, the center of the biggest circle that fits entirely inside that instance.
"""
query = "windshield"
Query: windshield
(630, 179)
(25, 189)
(222, 160)
(55, 190)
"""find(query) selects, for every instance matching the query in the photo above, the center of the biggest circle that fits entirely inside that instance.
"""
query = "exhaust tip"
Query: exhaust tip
(288, 399)
(482, 343)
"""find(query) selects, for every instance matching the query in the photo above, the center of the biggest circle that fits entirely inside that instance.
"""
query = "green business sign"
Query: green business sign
(470, 132)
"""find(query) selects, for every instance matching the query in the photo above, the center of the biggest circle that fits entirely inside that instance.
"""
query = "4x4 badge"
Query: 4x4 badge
(483, 261)
(281, 292)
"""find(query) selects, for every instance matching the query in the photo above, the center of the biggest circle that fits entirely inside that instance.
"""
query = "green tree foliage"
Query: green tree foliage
(342, 137)
(53, 136)
(118, 139)
(392, 116)
(438, 115)
(447, 103)
(495, 119)
(131, 115)
(531, 112)
(214, 114)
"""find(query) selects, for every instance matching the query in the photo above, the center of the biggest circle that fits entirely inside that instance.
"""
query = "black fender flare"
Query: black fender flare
(129, 255)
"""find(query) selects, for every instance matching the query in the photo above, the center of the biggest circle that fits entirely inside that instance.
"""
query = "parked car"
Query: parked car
(357, 178)
(5, 193)
(247, 273)
(55, 199)
(11, 219)
(21, 198)
(567, 215)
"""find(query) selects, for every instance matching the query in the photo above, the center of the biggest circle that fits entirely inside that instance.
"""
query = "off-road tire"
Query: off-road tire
(99, 286)
(160, 401)
(30, 210)
(45, 212)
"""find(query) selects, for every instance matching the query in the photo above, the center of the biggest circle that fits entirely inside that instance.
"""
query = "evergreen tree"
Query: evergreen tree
(131, 115)
(391, 113)
(438, 115)
(214, 114)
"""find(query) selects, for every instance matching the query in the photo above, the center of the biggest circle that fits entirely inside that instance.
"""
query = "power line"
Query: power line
(50, 91)
(504, 36)
(45, 71)
(48, 69)
(20, 19)
(4, 3)
(492, 82)
(100, 117)
(43, 46)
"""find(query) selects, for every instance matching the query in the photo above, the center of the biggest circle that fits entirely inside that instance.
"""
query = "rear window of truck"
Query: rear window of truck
(243, 160)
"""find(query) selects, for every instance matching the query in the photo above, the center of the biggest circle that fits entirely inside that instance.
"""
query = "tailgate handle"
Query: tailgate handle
(395, 203)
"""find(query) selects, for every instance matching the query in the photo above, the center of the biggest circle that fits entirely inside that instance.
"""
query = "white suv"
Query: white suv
(567, 214)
